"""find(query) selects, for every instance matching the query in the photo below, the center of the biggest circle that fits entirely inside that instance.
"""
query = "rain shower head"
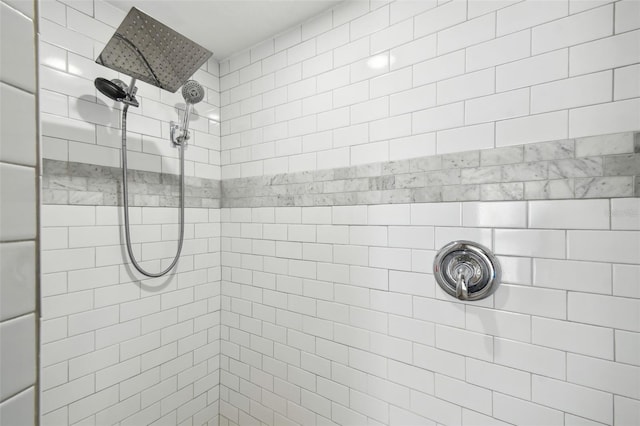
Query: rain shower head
(148, 50)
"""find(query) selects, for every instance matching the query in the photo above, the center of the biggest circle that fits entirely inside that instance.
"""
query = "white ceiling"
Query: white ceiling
(226, 27)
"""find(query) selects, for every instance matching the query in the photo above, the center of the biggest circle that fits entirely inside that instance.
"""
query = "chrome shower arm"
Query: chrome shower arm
(130, 99)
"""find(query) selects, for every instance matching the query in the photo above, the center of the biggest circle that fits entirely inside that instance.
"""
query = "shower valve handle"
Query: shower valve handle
(462, 291)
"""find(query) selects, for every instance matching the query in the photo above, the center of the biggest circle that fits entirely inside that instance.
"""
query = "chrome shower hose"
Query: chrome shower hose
(125, 195)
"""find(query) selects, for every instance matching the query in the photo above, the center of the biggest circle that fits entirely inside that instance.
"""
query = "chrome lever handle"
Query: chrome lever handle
(462, 292)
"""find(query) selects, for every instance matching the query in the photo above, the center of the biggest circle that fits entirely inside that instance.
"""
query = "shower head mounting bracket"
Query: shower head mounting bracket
(178, 137)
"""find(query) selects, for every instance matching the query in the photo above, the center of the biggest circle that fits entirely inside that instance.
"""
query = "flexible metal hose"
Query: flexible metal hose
(125, 191)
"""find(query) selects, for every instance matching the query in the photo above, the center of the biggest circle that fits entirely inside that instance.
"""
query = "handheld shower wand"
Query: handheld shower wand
(192, 92)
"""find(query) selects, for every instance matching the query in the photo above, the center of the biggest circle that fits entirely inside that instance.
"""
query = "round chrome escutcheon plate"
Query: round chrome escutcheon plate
(466, 270)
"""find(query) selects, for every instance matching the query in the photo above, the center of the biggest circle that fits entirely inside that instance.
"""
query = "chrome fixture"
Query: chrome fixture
(150, 51)
(192, 92)
(147, 50)
(117, 90)
(466, 270)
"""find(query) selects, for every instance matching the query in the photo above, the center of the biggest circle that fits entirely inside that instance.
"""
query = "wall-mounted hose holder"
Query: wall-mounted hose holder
(466, 270)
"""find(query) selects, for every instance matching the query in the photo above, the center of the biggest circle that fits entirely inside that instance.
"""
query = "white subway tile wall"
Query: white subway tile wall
(386, 80)
(339, 320)
(120, 348)
(117, 348)
(18, 212)
(330, 315)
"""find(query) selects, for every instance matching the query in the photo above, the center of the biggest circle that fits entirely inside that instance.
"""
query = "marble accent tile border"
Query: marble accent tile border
(592, 167)
(87, 184)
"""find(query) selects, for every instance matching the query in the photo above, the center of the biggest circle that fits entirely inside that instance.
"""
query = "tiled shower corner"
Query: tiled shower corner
(327, 166)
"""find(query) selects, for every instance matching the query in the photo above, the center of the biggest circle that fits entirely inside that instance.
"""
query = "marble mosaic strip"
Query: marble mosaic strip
(87, 184)
(594, 167)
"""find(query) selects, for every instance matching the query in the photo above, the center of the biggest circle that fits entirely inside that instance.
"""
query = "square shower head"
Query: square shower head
(148, 50)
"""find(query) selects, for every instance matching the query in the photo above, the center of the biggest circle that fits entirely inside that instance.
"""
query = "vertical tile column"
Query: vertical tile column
(18, 212)
(116, 348)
